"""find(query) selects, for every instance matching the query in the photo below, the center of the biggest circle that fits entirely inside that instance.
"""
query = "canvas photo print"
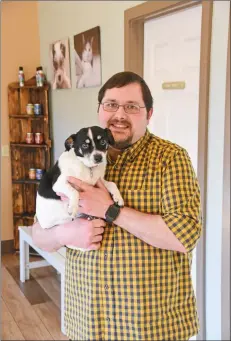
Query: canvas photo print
(87, 58)
(60, 60)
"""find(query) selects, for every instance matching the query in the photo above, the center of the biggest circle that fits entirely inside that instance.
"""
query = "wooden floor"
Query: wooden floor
(30, 310)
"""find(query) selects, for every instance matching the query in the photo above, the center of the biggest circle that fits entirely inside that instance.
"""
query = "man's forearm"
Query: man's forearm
(150, 228)
(46, 239)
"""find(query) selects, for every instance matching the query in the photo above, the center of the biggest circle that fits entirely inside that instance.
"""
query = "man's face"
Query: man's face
(127, 128)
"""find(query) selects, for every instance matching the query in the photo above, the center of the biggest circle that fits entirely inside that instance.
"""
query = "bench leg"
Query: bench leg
(62, 302)
(24, 260)
(27, 258)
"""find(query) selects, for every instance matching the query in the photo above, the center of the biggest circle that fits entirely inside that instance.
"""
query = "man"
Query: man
(135, 283)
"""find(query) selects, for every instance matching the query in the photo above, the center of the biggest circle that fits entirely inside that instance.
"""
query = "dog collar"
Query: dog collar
(91, 172)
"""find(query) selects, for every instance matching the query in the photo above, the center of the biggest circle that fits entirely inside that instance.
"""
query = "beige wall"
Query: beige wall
(74, 108)
(19, 46)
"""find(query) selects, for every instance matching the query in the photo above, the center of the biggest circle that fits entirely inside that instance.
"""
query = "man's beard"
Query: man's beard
(123, 144)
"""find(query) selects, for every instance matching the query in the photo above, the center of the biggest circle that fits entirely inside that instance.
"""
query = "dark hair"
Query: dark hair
(124, 78)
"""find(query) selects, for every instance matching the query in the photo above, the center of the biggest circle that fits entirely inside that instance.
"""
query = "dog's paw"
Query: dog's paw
(118, 200)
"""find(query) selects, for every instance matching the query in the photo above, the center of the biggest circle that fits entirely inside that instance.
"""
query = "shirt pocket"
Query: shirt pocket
(143, 200)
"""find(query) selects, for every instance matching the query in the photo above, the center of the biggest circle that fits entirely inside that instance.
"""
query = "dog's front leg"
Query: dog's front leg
(62, 186)
(113, 189)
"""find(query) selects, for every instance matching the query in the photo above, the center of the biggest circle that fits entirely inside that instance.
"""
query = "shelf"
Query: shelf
(35, 87)
(24, 215)
(29, 145)
(26, 181)
(24, 155)
(34, 117)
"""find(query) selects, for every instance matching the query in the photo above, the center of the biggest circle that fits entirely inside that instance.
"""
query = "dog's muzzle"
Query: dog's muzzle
(98, 158)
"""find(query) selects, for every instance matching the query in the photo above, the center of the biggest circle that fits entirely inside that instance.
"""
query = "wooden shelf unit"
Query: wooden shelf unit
(25, 156)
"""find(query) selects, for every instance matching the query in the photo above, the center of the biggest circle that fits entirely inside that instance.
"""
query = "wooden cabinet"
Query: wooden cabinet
(23, 155)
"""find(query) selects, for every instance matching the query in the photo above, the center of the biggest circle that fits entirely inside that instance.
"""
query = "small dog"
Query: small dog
(61, 80)
(85, 159)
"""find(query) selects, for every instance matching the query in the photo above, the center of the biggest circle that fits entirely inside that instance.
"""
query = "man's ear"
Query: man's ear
(69, 143)
(110, 137)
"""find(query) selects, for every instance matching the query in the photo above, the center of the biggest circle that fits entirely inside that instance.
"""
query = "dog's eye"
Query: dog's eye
(85, 146)
(102, 142)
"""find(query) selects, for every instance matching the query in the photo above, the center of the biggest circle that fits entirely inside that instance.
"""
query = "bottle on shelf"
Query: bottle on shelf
(41, 77)
(21, 76)
(37, 76)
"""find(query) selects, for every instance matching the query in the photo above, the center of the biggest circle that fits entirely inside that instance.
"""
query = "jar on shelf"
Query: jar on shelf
(39, 174)
(29, 138)
(32, 173)
(30, 109)
(39, 138)
(37, 109)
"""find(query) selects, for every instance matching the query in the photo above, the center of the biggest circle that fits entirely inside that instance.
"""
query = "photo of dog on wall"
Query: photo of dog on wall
(60, 59)
(88, 58)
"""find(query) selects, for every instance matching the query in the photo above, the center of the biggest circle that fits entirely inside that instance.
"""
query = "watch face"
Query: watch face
(112, 213)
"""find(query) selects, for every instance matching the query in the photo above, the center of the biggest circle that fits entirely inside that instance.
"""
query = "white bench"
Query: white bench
(56, 259)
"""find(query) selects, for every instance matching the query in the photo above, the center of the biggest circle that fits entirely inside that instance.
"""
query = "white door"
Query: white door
(172, 54)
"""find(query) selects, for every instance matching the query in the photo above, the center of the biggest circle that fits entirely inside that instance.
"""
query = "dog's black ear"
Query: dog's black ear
(110, 137)
(63, 49)
(69, 143)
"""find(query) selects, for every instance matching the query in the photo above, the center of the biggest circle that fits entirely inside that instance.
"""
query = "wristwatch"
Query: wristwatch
(112, 212)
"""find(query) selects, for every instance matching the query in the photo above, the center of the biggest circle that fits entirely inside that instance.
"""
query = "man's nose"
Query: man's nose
(120, 113)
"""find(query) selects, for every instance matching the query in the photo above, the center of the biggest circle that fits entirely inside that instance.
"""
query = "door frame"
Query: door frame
(225, 274)
(134, 19)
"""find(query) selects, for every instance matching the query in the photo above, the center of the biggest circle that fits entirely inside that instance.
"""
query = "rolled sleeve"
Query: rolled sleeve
(181, 204)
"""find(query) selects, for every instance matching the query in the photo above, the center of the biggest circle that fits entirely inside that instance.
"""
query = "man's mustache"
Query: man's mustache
(119, 122)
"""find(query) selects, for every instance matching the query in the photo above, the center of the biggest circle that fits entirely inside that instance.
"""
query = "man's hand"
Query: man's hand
(82, 233)
(93, 201)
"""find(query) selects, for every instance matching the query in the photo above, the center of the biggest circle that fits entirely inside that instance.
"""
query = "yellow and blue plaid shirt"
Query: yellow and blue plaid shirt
(129, 290)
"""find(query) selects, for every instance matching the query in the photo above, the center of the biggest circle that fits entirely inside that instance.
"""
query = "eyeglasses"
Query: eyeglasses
(129, 108)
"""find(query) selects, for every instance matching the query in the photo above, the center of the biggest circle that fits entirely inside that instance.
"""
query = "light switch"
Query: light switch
(5, 150)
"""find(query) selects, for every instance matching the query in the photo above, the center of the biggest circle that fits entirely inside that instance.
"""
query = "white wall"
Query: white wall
(215, 169)
(74, 108)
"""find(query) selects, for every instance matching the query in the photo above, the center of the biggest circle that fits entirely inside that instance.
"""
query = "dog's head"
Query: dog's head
(90, 145)
(59, 54)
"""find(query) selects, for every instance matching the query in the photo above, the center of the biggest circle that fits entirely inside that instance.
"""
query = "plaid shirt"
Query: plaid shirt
(129, 290)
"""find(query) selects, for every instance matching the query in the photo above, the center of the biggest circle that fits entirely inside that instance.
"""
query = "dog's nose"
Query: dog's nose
(98, 158)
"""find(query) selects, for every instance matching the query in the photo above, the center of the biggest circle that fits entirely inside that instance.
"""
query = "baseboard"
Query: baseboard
(7, 246)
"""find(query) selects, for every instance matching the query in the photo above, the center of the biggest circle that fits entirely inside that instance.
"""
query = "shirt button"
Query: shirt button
(106, 286)
(108, 319)
(105, 255)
